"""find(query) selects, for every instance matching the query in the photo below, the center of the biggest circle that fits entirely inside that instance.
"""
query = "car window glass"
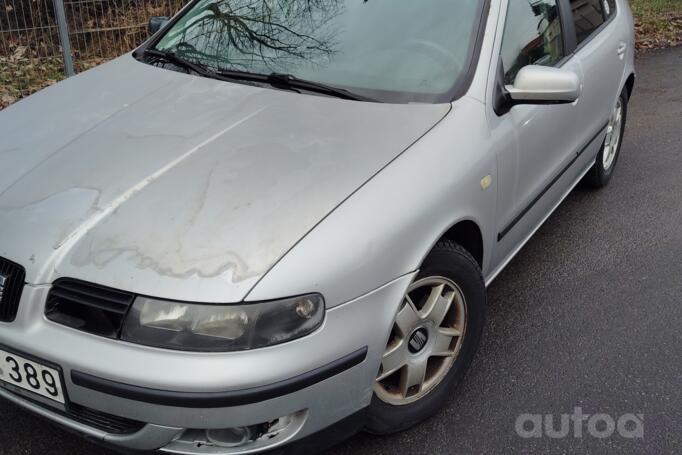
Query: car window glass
(532, 36)
(588, 15)
(386, 49)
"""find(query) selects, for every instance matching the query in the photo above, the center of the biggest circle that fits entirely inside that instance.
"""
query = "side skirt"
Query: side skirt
(515, 251)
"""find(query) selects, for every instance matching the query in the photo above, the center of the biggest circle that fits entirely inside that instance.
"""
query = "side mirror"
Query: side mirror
(156, 23)
(545, 85)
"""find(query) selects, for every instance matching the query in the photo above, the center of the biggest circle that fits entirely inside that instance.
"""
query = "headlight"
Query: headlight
(198, 327)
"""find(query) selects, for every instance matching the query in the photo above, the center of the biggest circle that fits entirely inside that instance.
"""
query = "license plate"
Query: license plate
(32, 376)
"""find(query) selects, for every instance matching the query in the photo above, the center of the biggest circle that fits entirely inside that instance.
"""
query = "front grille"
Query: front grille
(88, 307)
(12, 280)
(102, 421)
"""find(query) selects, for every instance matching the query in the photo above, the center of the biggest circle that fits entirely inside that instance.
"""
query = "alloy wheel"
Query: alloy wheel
(425, 341)
(613, 134)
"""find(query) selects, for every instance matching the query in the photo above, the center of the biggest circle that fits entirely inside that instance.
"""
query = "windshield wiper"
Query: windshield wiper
(285, 81)
(173, 58)
(291, 81)
(203, 70)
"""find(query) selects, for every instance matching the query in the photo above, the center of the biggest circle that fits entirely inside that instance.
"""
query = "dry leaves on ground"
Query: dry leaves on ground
(655, 32)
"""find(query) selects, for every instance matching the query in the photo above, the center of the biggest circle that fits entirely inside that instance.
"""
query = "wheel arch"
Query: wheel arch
(630, 84)
(469, 236)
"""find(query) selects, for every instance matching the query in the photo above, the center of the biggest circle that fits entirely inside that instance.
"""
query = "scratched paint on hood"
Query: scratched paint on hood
(168, 181)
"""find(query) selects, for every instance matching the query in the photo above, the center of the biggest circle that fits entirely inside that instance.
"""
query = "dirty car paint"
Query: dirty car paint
(197, 180)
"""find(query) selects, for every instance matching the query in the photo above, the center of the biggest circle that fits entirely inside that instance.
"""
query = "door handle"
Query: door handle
(622, 47)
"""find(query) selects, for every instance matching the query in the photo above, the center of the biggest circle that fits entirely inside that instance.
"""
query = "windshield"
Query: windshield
(390, 50)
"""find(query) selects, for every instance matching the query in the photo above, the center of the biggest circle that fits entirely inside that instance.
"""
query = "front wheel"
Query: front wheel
(600, 174)
(432, 342)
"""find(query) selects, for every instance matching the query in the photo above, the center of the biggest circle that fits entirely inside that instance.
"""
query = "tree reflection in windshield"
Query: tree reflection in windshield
(389, 50)
(263, 34)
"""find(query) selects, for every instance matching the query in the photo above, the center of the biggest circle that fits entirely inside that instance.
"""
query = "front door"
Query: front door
(541, 140)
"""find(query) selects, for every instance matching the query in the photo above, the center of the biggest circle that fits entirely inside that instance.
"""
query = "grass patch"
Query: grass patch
(656, 6)
(22, 77)
(658, 23)
(19, 78)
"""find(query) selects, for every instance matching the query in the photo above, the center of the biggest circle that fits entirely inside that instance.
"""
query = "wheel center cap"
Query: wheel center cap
(418, 340)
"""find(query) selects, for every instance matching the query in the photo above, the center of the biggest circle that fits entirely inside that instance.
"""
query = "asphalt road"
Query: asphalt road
(588, 315)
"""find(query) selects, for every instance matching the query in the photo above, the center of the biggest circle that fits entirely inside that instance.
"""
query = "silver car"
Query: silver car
(273, 224)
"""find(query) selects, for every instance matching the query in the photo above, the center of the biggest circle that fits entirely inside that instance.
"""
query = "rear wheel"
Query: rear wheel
(600, 174)
(433, 340)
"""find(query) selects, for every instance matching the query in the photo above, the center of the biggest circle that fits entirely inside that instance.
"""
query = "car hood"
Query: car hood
(178, 186)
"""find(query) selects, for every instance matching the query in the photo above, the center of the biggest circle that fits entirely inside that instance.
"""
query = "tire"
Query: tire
(451, 264)
(602, 171)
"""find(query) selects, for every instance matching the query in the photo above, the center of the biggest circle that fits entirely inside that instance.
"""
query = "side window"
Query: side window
(532, 36)
(588, 15)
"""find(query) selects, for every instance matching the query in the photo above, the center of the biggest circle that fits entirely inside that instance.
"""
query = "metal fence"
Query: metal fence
(42, 41)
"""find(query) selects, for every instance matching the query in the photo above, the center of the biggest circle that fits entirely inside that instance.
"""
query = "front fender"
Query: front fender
(386, 228)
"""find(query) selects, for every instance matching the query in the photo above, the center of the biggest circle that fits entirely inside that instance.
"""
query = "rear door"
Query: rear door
(602, 47)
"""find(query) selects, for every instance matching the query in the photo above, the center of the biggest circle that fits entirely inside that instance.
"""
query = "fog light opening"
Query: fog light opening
(237, 439)
(241, 436)
(230, 437)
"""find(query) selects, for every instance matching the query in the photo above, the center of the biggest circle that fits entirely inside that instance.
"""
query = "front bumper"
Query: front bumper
(322, 379)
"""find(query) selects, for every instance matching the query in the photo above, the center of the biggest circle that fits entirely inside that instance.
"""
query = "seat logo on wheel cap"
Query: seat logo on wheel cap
(418, 340)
